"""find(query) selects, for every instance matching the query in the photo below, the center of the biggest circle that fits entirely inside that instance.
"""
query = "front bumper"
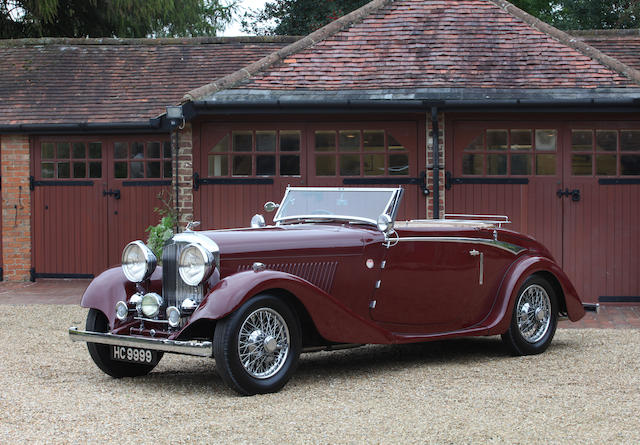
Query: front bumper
(190, 347)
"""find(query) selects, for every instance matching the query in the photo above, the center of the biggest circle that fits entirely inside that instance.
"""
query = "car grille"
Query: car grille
(174, 290)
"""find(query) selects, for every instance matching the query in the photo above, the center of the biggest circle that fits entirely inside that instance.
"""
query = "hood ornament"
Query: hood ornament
(191, 225)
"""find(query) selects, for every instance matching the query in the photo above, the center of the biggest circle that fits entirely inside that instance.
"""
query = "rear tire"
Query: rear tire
(534, 318)
(257, 347)
(97, 322)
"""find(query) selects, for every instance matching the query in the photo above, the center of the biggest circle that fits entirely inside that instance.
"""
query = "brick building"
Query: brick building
(529, 122)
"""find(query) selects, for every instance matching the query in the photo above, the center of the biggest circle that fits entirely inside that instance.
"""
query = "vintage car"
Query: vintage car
(335, 270)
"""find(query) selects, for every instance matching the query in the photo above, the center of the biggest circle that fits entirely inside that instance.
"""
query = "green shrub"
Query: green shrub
(159, 234)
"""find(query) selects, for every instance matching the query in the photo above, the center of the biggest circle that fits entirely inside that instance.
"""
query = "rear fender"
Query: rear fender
(112, 286)
(333, 320)
(513, 280)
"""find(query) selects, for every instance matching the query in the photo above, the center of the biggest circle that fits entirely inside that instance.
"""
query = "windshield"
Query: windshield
(356, 204)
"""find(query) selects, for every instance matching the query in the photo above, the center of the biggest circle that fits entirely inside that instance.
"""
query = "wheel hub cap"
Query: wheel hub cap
(263, 343)
(534, 313)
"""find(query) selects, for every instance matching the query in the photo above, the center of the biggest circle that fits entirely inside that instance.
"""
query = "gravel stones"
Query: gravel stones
(585, 388)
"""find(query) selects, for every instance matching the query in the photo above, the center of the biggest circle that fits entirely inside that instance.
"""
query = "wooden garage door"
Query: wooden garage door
(239, 167)
(91, 196)
(572, 186)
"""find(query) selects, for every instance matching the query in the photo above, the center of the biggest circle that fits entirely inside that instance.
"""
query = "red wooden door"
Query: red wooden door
(89, 199)
(602, 209)
(511, 168)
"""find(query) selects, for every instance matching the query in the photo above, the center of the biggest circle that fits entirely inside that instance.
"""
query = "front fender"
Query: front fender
(333, 320)
(112, 286)
(513, 280)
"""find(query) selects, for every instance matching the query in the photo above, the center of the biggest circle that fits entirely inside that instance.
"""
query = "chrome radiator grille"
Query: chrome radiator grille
(174, 290)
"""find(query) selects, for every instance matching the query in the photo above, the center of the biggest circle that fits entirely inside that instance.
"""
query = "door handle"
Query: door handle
(575, 194)
(115, 193)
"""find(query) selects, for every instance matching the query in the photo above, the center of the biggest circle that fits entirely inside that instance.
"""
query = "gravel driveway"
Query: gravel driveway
(584, 389)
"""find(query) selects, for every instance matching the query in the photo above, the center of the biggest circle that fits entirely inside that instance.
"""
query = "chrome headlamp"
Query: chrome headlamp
(196, 264)
(138, 262)
(150, 304)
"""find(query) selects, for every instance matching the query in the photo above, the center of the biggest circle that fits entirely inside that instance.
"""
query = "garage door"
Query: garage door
(91, 196)
(572, 185)
(242, 166)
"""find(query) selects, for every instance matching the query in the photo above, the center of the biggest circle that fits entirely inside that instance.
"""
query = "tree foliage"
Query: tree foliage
(301, 17)
(113, 18)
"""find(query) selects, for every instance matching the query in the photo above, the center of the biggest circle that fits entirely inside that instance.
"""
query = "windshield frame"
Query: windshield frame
(391, 208)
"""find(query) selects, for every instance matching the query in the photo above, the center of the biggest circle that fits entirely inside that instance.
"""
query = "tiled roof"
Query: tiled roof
(84, 80)
(435, 44)
(622, 44)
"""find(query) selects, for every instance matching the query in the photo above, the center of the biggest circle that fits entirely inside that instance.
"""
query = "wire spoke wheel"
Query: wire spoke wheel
(263, 343)
(533, 310)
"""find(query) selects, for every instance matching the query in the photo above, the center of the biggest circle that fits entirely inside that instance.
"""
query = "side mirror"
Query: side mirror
(257, 221)
(384, 223)
(270, 206)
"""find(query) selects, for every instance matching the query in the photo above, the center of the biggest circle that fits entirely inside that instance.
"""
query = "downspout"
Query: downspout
(175, 149)
(436, 163)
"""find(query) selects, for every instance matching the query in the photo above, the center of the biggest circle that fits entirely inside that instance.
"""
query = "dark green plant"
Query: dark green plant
(164, 230)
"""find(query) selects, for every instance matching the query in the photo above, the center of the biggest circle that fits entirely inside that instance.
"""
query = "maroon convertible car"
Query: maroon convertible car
(335, 270)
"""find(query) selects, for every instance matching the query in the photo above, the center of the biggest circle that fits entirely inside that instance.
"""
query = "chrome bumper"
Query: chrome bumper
(591, 307)
(191, 347)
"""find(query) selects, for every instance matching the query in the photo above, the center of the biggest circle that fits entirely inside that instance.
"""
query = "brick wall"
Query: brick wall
(430, 178)
(185, 174)
(16, 207)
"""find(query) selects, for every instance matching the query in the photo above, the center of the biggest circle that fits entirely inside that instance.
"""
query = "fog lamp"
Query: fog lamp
(136, 301)
(122, 310)
(150, 304)
(188, 306)
(173, 316)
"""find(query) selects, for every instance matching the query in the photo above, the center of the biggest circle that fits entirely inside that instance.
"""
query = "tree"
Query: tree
(301, 17)
(113, 18)
(296, 17)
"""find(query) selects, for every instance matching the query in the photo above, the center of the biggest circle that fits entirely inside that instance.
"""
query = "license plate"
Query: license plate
(134, 355)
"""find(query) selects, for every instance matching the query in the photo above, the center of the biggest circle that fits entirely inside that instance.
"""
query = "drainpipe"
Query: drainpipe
(436, 163)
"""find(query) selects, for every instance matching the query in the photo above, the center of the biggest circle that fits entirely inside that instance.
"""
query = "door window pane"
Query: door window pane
(606, 165)
(120, 169)
(521, 139)
(218, 165)
(349, 140)
(581, 140)
(153, 150)
(46, 169)
(153, 169)
(520, 164)
(398, 164)
(266, 165)
(221, 146)
(242, 165)
(120, 150)
(325, 165)
(546, 140)
(289, 165)
(63, 170)
(606, 140)
(48, 151)
(242, 141)
(136, 170)
(266, 141)
(580, 165)
(166, 149)
(373, 140)
(95, 150)
(78, 150)
(373, 165)
(290, 140)
(496, 139)
(394, 144)
(496, 164)
(472, 164)
(95, 169)
(167, 169)
(137, 150)
(630, 165)
(545, 164)
(349, 165)
(630, 140)
(63, 150)
(325, 140)
(79, 170)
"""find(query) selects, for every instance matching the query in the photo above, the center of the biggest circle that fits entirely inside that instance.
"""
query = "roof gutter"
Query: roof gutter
(155, 125)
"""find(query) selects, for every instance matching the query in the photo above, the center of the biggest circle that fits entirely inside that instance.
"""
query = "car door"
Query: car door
(433, 283)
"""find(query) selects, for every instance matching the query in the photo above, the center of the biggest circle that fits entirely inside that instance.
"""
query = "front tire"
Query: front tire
(534, 319)
(97, 322)
(257, 347)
